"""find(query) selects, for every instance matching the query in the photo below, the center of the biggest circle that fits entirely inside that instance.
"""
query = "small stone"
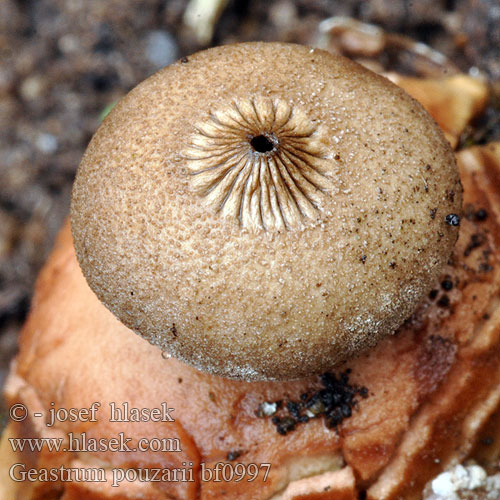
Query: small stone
(447, 284)
(68, 44)
(452, 220)
(443, 485)
(444, 301)
(47, 143)
(477, 477)
(283, 14)
(481, 215)
(161, 48)
(31, 88)
(233, 455)
(266, 409)
(457, 479)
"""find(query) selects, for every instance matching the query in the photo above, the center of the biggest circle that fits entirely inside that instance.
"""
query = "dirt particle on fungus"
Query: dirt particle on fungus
(452, 220)
(444, 301)
(485, 267)
(392, 264)
(179, 380)
(266, 409)
(233, 455)
(363, 259)
(184, 60)
(285, 425)
(447, 284)
(174, 330)
(433, 213)
(333, 402)
(211, 396)
(481, 215)
(476, 215)
(363, 392)
(433, 294)
(293, 408)
(476, 241)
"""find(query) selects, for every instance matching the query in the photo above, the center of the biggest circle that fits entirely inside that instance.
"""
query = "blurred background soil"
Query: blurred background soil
(64, 63)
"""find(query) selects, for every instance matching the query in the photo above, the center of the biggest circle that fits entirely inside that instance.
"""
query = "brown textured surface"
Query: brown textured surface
(431, 387)
(224, 293)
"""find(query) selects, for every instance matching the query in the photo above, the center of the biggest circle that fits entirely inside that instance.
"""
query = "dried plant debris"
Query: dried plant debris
(334, 402)
(201, 17)
(399, 52)
(484, 129)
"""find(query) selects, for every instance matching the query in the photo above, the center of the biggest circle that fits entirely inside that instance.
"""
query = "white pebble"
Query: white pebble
(47, 143)
(68, 44)
(161, 48)
(448, 483)
(443, 485)
(477, 477)
(268, 408)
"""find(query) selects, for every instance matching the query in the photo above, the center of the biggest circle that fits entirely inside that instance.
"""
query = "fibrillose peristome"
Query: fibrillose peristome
(261, 161)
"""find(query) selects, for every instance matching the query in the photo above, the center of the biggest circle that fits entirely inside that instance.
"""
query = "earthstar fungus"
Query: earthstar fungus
(262, 210)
